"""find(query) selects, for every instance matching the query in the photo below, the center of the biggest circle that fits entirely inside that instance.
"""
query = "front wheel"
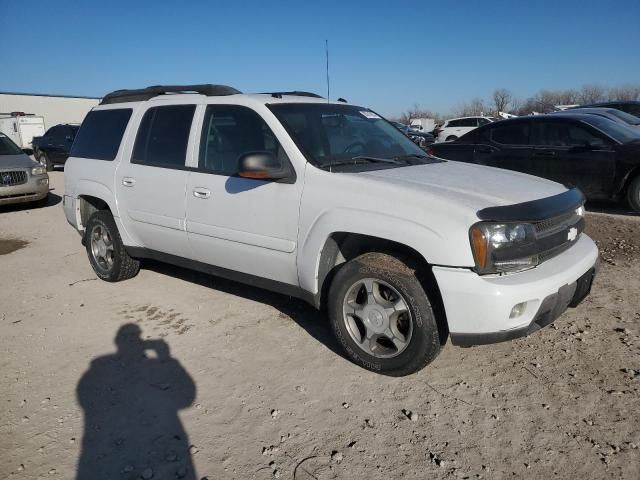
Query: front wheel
(633, 194)
(382, 316)
(107, 255)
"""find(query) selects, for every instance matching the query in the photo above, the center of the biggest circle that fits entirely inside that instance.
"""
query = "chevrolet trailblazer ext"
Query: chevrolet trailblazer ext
(327, 202)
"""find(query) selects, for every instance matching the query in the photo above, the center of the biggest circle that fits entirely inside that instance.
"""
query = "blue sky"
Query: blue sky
(387, 55)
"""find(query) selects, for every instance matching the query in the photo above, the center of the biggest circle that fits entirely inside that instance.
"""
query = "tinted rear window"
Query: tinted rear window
(163, 136)
(511, 134)
(100, 134)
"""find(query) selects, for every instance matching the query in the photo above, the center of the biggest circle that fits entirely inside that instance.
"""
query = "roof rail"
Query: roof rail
(295, 93)
(139, 95)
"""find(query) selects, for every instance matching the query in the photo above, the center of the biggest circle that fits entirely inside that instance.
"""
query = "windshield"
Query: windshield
(7, 147)
(618, 131)
(334, 134)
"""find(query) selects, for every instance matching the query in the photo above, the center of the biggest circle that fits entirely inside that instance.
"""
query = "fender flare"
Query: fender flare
(418, 237)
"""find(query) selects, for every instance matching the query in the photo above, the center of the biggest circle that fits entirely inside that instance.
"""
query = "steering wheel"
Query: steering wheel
(349, 148)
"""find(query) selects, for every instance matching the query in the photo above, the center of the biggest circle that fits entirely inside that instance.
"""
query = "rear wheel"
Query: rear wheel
(633, 194)
(451, 138)
(381, 315)
(105, 249)
(43, 158)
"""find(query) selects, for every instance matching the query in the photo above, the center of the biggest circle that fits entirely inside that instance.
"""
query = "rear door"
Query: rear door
(506, 145)
(151, 185)
(241, 224)
(575, 154)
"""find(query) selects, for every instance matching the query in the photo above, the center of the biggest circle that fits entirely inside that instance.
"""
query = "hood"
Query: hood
(20, 160)
(469, 185)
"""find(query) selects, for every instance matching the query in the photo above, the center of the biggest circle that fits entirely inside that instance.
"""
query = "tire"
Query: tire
(43, 158)
(633, 194)
(415, 342)
(106, 252)
(451, 138)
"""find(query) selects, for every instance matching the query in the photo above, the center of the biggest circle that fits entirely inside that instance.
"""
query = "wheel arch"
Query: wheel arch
(343, 246)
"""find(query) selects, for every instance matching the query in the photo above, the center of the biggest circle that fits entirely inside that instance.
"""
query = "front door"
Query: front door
(506, 146)
(151, 186)
(576, 155)
(241, 224)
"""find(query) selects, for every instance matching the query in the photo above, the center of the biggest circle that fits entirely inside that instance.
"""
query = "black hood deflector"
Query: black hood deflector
(535, 210)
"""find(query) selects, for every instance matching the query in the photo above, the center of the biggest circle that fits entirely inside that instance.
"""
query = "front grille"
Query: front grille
(9, 179)
(554, 234)
(556, 223)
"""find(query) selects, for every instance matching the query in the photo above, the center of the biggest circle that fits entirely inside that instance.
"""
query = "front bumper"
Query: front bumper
(34, 189)
(479, 308)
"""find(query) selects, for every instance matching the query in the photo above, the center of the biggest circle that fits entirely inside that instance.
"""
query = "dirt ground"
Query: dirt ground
(242, 383)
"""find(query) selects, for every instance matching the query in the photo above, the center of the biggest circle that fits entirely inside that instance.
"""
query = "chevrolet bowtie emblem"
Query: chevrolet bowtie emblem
(573, 233)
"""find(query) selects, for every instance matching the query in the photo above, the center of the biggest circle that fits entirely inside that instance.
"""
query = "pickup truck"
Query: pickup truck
(330, 203)
(54, 146)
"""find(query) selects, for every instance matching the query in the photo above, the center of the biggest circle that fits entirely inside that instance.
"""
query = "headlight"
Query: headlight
(503, 247)
(580, 211)
(38, 171)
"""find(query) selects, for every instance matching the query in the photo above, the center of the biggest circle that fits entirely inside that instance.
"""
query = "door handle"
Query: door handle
(128, 181)
(201, 193)
(545, 154)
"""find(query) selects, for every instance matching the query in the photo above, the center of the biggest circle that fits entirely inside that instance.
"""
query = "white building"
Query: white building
(55, 109)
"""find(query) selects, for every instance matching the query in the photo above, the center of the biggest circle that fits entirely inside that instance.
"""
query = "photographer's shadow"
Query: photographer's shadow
(131, 400)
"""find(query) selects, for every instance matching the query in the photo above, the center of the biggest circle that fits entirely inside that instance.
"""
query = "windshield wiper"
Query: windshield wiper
(409, 156)
(360, 159)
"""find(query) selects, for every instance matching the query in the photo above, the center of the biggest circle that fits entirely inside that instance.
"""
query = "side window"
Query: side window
(55, 134)
(100, 134)
(483, 121)
(230, 131)
(562, 134)
(163, 136)
(511, 134)
(453, 123)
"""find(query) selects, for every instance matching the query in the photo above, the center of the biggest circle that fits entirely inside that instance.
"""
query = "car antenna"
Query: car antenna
(326, 49)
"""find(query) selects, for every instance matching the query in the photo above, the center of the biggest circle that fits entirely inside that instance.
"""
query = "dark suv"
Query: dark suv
(593, 153)
(54, 146)
(629, 106)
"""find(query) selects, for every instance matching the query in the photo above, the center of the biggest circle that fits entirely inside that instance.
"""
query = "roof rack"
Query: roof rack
(139, 95)
(295, 93)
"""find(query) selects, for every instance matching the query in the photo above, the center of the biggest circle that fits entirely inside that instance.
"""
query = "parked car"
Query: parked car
(593, 153)
(456, 127)
(328, 202)
(54, 146)
(610, 113)
(421, 139)
(22, 179)
(629, 106)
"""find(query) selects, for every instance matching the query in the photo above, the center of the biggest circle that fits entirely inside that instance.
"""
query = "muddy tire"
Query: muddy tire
(106, 252)
(382, 316)
(633, 194)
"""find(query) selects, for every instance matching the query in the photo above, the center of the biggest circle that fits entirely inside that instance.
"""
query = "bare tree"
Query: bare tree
(592, 93)
(502, 98)
(625, 93)
(474, 107)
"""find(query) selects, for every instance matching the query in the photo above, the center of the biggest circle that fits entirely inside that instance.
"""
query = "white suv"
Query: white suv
(330, 203)
(454, 128)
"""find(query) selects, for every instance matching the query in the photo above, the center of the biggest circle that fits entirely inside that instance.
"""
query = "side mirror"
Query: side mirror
(263, 166)
(27, 151)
